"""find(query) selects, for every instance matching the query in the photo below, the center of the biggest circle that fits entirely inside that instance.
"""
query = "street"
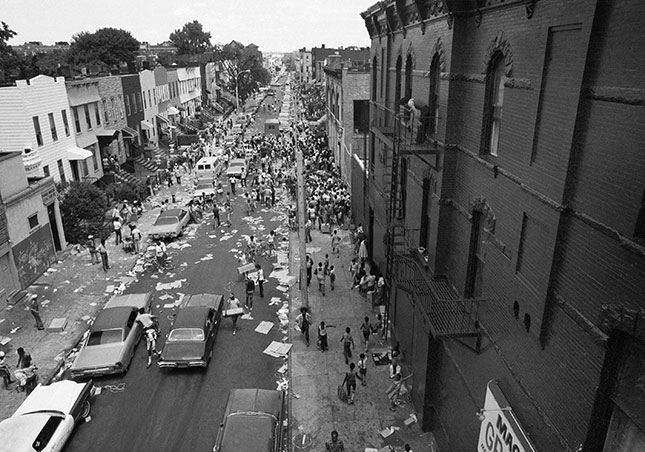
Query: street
(180, 410)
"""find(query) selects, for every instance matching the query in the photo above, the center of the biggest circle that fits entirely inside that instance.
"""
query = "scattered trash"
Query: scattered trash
(277, 349)
(14, 330)
(296, 396)
(264, 327)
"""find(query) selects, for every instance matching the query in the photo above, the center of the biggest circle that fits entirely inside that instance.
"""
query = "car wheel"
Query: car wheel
(85, 410)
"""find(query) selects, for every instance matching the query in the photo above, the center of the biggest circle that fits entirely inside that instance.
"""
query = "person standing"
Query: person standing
(260, 279)
(321, 276)
(216, 215)
(178, 174)
(348, 344)
(362, 368)
(332, 277)
(250, 290)
(91, 246)
(34, 308)
(231, 181)
(310, 266)
(304, 320)
(335, 243)
(5, 371)
(322, 336)
(116, 224)
(233, 303)
(335, 445)
(104, 255)
(136, 239)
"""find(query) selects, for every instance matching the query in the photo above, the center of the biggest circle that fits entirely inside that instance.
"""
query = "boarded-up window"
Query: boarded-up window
(533, 261)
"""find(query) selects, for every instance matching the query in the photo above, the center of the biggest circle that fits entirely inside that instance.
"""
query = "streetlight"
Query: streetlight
(237, 94)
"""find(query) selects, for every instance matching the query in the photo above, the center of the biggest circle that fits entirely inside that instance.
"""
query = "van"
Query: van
(208, 167)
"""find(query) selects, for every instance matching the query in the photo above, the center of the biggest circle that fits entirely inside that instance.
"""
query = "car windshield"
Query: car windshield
(166, 220)
(204, 187)
(186, 334)
(105, 337)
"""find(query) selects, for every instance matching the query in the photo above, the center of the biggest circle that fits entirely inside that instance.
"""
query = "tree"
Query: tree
(191, 39)
(82, 210)
(9, 61)
(289, 61)
(239, 58)
(107, 47)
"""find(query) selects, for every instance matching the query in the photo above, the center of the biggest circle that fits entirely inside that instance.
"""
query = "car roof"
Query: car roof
(202, 299)
(255, 400)
(56, 397)
(135, 300)
(19, 433)
(248, 433)
(191, 317)
(110, 318)
(171, 213)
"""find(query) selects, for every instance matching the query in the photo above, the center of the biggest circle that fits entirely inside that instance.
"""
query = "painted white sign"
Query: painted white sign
(500, 430)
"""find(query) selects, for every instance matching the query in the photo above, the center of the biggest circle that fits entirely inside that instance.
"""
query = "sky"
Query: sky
(273, 25)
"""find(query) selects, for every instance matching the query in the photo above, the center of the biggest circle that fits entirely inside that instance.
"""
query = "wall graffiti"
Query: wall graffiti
(34, 255)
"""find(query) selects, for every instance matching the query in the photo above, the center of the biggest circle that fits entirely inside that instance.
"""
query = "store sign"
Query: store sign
(500, 430)
(49, 195)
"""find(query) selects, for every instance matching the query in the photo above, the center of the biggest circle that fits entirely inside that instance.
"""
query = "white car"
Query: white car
(236, 167)
(46, 419)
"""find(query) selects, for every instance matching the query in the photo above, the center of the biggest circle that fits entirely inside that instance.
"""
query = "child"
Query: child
(362, 369)
(332, 277)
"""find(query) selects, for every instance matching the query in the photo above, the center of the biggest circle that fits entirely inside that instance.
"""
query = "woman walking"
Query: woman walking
(348, 344)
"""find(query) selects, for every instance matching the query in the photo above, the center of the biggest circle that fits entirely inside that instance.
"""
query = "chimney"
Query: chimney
(323, 46)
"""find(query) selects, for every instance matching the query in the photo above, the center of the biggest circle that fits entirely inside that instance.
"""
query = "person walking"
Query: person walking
(321, 276)
(116, 224)
(304, 320)
(233, 303)
(335, 243)
(348, 344)
(231, 181)
(366, 329)
(5, 371)
(104, 255)
(216, 215)
(362, 368)
(350, 382)
(91, 246)
(332, 277)
(260, 279)
(34, 308)
(335, 444)
(250, 290)
(310, 266)
(322, 336)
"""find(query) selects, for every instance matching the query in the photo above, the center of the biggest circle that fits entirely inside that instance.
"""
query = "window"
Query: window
(493, 104)
(46, 170)
(425, 214)
(77, 120)
(39, 135)
(433, 99)
(61, 171)
(361, 116)
(86, 108)
(383, 71)
(33, 221)
(150, 99)
(374, 78)
(154, 95)
(52, 126)
(139, 102)
(63, 113)
(105, 112)
(145, 104)
(94, 159)
(127, 104)
(397, 83)
(639, 230)
(120, 104)
(97, 113)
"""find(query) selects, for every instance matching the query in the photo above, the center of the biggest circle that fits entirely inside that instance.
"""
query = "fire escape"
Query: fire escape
(447, 314)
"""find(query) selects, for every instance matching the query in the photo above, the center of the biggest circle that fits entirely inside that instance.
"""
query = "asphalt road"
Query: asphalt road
(180, 410)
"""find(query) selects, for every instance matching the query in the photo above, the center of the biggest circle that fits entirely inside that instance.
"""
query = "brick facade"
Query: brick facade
(557, 202)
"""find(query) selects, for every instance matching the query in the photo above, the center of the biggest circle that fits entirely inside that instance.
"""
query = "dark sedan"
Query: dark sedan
(191, 339)
(253, 421)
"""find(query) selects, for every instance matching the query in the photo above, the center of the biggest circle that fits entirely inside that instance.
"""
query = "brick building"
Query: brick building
(505, 178)
(347, 94)
(352, 57)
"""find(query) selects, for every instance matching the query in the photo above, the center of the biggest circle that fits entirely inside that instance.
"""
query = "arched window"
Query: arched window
(383, 71)
(433, 99)
(492, 120)
(408, 83)
(374, 78)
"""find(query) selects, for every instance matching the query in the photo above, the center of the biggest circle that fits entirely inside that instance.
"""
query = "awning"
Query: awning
(182, 108)
(162, 119)
(85, 140)
(147, 125)
(218, 107)
(77, 153)
(106, 133)
(129, 131)
(173, 111)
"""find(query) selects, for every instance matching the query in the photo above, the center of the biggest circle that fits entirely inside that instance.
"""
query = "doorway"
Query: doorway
(51, 213)
(475, 258)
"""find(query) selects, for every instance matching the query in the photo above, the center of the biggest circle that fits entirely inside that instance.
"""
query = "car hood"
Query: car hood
(99, 356)
(60, 396)
(183, 351)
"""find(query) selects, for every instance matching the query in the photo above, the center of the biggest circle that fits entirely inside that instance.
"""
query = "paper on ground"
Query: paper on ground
(264, 327)
(277, 349)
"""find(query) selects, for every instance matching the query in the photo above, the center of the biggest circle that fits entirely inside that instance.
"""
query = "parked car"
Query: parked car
(253, 420)
(113, 337)
(236, 167)
(191, 339)
(204, 187)
(46, 418)
(169, 224)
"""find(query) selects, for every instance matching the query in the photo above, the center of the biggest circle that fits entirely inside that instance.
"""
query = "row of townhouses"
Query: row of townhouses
(500, 178)
(54, 130)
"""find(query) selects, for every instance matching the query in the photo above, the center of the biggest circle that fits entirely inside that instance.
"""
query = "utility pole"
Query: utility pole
(302, 209)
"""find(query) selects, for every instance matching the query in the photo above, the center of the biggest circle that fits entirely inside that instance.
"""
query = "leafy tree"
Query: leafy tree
(289, 61)
(49, 63)
(238, 59)
(191, 39)
(106, 47)
(9, 61)
(82, 210)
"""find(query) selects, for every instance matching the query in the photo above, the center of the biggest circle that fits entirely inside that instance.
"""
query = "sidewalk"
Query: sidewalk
(315, 408)
(73, 289)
